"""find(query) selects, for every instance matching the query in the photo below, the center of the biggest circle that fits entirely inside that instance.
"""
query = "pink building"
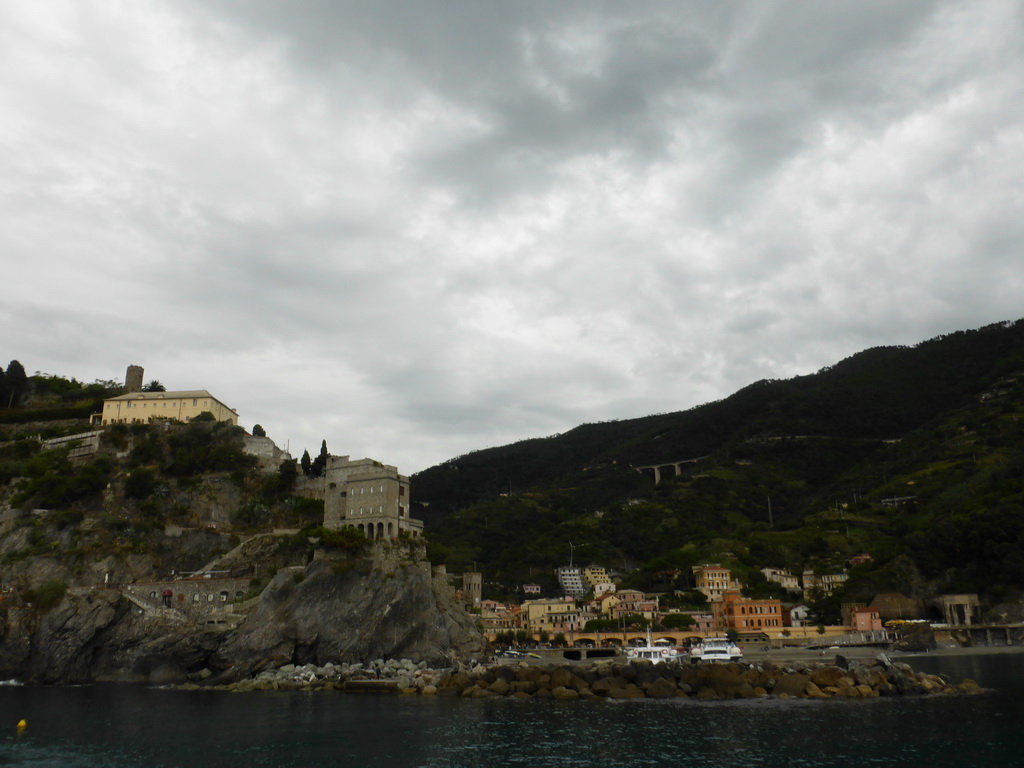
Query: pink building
(865, 619)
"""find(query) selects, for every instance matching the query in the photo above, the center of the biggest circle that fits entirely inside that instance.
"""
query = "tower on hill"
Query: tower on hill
(133, 378)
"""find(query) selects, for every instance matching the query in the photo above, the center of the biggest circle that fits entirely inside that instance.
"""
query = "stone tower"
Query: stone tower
(133, 378)
(472, 589)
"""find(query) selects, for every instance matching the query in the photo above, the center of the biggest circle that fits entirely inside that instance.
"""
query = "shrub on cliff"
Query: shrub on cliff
(348, 538)
(47, 595)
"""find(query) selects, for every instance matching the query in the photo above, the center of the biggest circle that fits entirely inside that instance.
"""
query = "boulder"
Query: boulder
(794, 685)
(499, 686)
(660, 689)
(827, 676)
(630, 691)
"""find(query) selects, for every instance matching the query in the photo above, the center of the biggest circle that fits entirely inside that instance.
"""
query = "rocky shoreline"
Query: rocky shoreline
(610, 679)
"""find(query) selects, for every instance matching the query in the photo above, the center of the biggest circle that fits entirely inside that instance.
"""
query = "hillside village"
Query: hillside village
(206, 548)
(374, 500)
(593, 609)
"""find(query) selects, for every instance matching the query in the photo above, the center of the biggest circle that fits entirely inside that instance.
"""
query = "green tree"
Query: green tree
(47, 596)
(140, 483)
(320, 462)
(306, 463)
(15, 383)
(287, 473)
(154, 386)
(678, 621)
(635, 621)
(258, 431)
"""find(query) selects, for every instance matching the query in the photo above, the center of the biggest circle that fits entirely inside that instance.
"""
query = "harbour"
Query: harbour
(119, 725)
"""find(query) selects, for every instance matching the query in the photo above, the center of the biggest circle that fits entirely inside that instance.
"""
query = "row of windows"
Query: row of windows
(363, 490)
(164, 404)
(371, 489)
(143, 420)
(197, 597)
(757, 609)
(369, 510)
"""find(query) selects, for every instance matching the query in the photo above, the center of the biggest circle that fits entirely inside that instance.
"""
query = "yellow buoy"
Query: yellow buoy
(22, 725)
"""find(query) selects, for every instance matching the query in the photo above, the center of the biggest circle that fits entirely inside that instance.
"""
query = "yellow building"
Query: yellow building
(554, 615)
(714, 581)
(594, 575)
(144, 407)
(825, 583)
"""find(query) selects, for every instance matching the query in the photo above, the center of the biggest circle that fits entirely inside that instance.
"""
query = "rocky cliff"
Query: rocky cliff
(384, 603)
(386, 606)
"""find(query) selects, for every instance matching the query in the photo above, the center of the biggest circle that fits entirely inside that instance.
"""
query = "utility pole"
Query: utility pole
(770, 524)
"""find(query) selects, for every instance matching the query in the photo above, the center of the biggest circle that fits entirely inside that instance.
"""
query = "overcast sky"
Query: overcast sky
(421, 228)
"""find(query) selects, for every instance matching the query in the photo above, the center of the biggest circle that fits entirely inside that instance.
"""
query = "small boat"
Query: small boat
(656, 654)
(716, 649)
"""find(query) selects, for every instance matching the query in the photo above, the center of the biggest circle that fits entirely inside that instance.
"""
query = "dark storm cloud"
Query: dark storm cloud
(421, 228)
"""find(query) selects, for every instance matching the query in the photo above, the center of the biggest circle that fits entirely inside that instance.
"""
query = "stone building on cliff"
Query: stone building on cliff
(368, 495)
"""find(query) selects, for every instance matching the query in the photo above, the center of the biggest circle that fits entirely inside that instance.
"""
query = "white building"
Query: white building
(781, 576)
(570, 579)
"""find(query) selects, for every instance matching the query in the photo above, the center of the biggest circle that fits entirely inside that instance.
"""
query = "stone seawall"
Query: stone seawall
(615, 680)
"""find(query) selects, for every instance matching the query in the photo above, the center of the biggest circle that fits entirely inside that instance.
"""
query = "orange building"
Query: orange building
(865, 619)
(745, 614)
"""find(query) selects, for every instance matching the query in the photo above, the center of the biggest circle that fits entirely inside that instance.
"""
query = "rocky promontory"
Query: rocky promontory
(384, 601)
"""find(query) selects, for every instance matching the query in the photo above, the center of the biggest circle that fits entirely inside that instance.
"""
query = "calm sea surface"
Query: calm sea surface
(115, 726)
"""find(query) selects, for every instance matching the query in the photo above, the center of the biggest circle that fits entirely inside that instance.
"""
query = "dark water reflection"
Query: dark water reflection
(125, 726)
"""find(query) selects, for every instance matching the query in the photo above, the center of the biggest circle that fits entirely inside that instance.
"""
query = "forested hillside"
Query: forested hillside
(796, 473)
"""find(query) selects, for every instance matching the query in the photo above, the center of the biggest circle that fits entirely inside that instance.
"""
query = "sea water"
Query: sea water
(118, 725)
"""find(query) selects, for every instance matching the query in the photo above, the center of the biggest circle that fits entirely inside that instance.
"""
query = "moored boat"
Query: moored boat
(716, 649)
(653, 652)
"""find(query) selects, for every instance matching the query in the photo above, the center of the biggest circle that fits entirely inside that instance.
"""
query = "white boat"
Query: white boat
(716, 649)
(656, 654)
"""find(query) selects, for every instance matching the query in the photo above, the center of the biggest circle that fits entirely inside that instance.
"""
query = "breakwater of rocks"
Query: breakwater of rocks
(609, 679)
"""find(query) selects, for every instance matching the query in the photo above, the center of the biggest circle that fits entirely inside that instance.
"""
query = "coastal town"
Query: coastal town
(591, 607)
(593, 611)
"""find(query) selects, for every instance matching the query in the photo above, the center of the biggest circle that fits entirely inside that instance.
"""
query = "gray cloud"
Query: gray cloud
(420, 229)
